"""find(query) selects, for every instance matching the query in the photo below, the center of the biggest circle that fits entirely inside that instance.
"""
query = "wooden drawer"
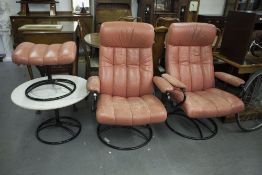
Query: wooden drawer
(218, 21)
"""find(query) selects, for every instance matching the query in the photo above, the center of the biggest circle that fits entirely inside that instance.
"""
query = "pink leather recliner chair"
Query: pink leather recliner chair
(190, 79)
(124, 84)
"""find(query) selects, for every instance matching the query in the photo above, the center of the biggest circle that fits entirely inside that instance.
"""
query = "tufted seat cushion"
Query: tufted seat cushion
(41, 54)
(212, 102)
(116, 110)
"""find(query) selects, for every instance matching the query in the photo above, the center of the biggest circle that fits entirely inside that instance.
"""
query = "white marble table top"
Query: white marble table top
(18, 95)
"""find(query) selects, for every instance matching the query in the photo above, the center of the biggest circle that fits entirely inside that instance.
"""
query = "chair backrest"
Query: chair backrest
(125, 58)
(166, 21)
(189, 54)
(130, 19)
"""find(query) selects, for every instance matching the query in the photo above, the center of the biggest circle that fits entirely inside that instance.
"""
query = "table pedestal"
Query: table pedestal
(71, 126)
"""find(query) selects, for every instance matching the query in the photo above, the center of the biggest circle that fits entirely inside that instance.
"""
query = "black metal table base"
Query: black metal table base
(210, 128)
(71, 126)
(50, 81)
(102, 128)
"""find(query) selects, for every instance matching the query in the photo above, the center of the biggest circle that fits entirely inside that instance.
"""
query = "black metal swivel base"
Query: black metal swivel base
(135, 130)
(205, 130)
(59, 82)
(71, 126)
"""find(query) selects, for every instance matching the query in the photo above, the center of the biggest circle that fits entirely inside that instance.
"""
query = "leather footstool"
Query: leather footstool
(28, 53)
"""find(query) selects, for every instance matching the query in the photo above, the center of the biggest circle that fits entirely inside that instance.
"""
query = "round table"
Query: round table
(68, 124)
(92, 39)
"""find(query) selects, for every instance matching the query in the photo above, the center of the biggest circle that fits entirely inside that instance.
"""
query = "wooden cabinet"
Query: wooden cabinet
(110, 10)
(171, 8)
(146, 10)
(238, 32)
(44, 17)
(218, 21)
(150, 10)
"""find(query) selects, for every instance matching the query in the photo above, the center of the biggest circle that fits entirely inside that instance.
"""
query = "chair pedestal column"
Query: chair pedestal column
(71, 126)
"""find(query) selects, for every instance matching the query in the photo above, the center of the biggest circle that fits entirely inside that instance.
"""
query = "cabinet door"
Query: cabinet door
(16, 23)
(86, 24)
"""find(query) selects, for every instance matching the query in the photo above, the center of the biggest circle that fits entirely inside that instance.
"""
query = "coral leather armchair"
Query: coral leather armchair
(190, 71)
(125, 82)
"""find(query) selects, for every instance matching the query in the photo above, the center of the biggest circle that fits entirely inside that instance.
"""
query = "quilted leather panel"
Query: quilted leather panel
(191, 34)
(126, 72)
(123, 70)
(126, 34)
(115, 110)
(212, 102)
(190, 60)
(230, 79)
(41, 54)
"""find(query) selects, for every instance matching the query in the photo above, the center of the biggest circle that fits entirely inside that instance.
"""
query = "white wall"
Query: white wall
(212, 7)
(134, 8)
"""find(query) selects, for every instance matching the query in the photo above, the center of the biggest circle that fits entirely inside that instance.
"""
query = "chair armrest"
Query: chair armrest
(175, 82)
(230, 79)
(163, 85)
(93, 84)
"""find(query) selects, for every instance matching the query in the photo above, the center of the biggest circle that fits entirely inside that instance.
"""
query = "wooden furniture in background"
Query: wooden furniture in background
(250, 65)
(161, 28)
(159, 49)
(92, 39)
(110, 10)
(146, 10)
(151, 10)
(92, 62)
(237, 34)
(165, 21)
(247, 5)
(24, 10)
(44, 18)
(218, 21)
(68, 32)
(235, 45)
(230, 5)
(130, 19)
(193, 10)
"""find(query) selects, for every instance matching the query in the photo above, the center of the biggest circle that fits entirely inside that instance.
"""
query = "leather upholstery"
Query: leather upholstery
(211, 102)
(230, 79)
(93, 84)
(116, 110)
(189, 59)
(125, 58)
(126, 73)
(162, 84)
(189, 54)
(41, 54)
(126, 35)
(174, 81)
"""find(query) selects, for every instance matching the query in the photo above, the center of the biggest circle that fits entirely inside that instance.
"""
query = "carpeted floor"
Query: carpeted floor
(230, 152)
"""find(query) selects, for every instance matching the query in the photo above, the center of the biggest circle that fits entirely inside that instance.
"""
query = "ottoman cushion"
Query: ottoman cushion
(42, 54)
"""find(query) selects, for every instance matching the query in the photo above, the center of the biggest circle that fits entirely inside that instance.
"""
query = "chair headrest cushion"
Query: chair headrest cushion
(126, 34)
(191, 34)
